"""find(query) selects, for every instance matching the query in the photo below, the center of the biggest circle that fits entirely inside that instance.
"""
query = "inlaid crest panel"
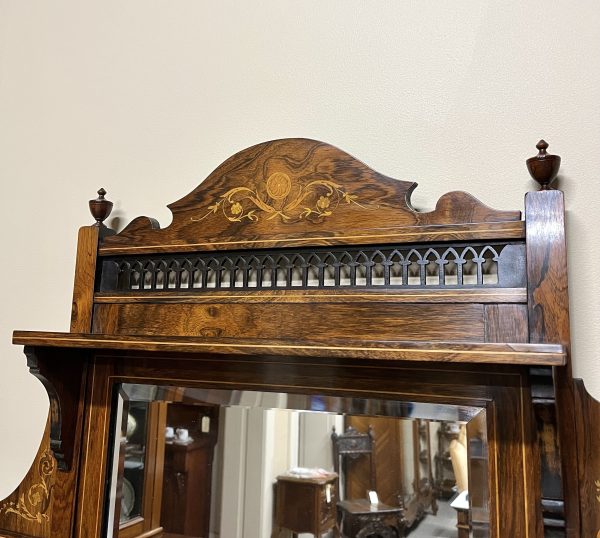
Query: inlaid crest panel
(290, 189)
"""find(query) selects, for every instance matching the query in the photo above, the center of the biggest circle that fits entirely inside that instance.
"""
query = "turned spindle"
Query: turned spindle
(543, 167)
(100, 207)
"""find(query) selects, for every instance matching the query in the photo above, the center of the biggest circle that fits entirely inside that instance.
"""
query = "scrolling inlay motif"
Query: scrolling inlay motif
(34, 506)
(292, 202)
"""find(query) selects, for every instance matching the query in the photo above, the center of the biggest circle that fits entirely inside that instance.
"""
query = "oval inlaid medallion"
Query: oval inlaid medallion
(279, 185)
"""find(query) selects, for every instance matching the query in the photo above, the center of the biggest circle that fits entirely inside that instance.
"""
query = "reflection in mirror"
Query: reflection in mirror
(189, 462)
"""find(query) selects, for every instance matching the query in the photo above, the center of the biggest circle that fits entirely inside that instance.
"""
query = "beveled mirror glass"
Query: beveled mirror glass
(189, 462)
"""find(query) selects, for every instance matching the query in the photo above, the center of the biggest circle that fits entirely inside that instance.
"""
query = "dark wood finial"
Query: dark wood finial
(543, 167)
(100, 208)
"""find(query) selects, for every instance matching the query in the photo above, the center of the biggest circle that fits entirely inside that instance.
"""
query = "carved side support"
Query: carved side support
(63, 378)
(43, 504)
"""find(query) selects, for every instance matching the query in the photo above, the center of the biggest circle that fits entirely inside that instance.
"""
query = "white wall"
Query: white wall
(146, 97)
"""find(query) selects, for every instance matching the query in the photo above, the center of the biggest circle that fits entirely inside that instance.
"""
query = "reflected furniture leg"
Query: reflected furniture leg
(462, 524)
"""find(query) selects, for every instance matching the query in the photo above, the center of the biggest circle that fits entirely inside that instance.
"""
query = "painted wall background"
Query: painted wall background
(147, 97)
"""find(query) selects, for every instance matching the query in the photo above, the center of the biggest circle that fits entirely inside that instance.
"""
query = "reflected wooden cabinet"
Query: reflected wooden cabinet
(187, 492)
(305, 504)
(164, 484)
(187, 473)
(141, 459)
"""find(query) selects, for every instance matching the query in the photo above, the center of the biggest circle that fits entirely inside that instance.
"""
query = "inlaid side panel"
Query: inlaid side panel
(27, 511)
(312, 322)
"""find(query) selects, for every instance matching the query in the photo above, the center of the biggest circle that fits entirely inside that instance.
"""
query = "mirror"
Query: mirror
(189, 462)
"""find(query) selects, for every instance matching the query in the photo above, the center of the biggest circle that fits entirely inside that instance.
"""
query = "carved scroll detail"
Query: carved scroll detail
(313, 202)
(34, 505)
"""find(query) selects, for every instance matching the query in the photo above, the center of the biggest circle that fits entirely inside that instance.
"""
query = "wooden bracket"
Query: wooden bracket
(64, 381)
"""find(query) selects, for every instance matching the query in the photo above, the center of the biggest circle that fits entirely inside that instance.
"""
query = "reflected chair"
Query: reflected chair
(358, 518)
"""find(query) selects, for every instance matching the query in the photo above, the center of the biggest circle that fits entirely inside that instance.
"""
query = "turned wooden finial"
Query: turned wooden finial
(100, 207)
(543, 167)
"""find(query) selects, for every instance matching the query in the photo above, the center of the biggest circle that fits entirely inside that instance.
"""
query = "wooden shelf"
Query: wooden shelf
(455, 352)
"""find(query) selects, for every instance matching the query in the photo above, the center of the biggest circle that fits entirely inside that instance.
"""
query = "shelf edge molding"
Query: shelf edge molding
(413, 351)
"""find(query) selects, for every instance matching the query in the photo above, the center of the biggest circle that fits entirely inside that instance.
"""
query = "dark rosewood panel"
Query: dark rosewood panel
(547, 267)
(506, 323)
(296, 189)
(548, 305)
(281, 321)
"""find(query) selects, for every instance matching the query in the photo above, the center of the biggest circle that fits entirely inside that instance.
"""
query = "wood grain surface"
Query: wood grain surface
(548, 306)
(506, 323)
(27, 511)
(517, 354)
(85, 274)
(322, 322)
(338, 295)
(299, 190)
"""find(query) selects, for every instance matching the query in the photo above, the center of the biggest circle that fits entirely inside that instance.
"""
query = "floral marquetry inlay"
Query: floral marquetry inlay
(280, 196)
(34, 505)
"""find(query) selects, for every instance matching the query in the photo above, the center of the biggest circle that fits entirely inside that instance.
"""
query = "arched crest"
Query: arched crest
(294, 190)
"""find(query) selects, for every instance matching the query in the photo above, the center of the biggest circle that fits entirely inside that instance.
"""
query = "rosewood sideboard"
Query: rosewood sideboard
(294, 269)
